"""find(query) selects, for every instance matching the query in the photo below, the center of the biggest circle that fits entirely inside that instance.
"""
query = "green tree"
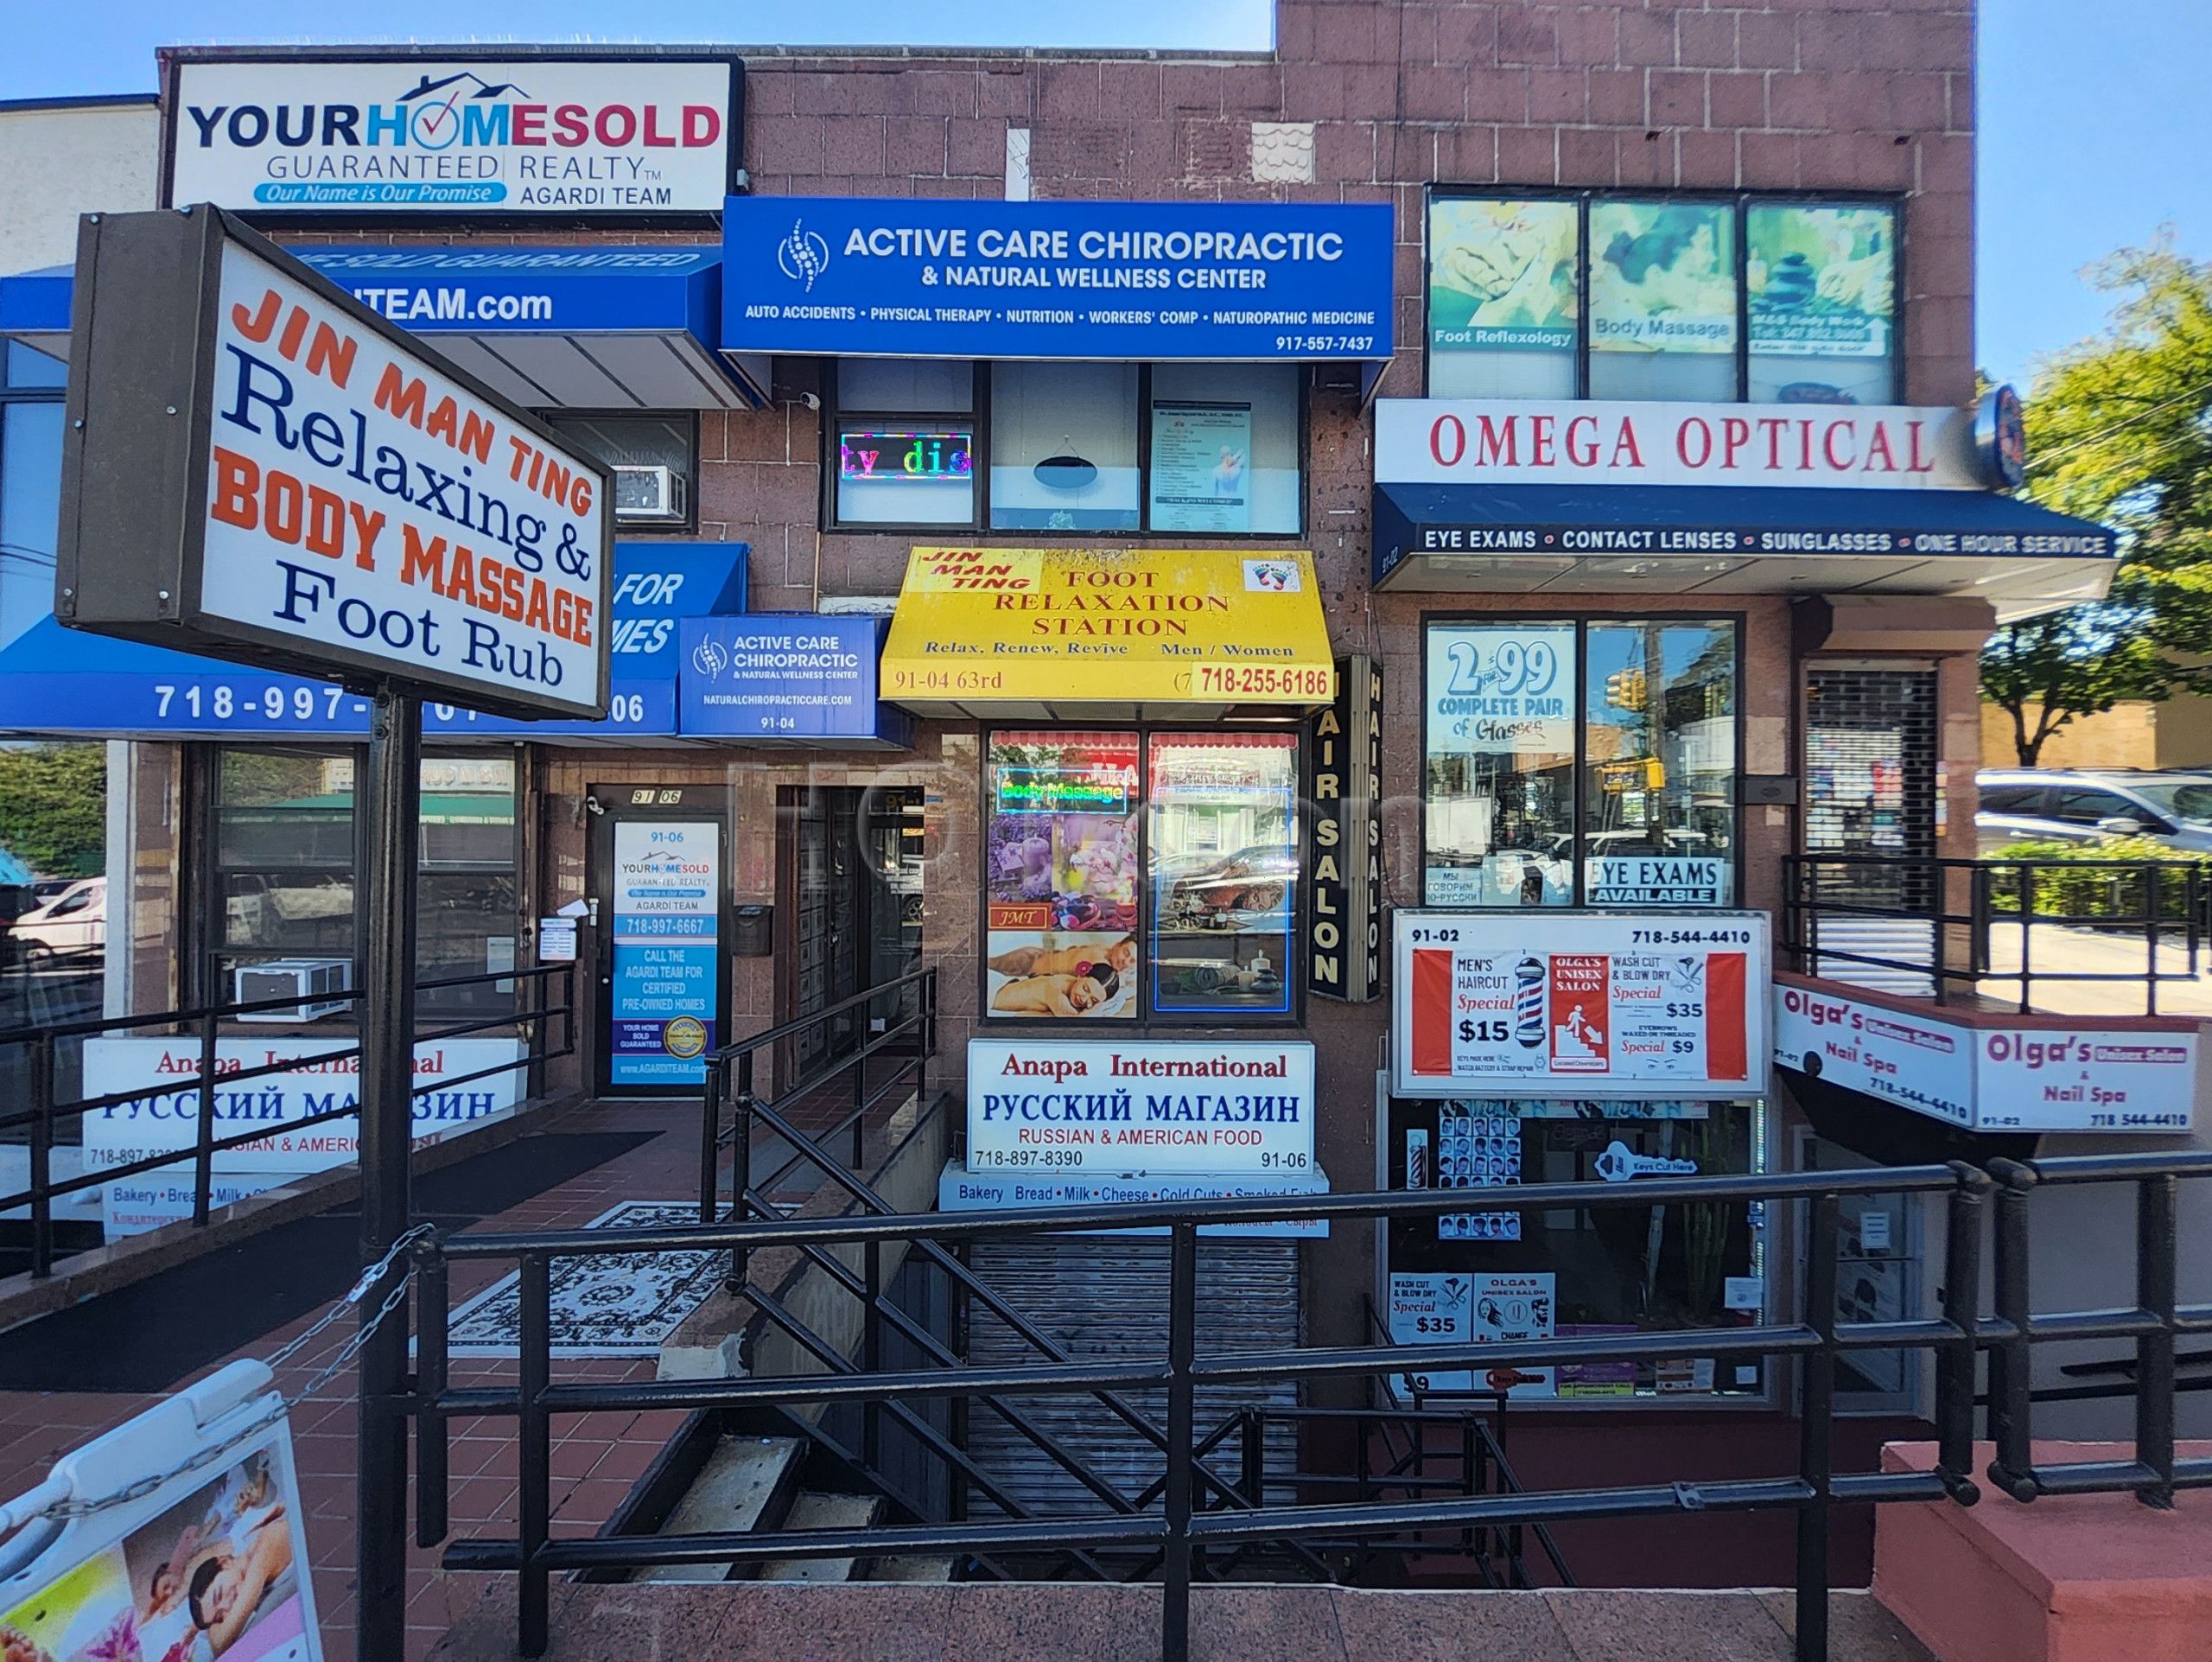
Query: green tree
(54, 808)
(2120, 431)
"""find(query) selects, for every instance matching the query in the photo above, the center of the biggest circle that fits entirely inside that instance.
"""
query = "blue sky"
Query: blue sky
(2094, 121)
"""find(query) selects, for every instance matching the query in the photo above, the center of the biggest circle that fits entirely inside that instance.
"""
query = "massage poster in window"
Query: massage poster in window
(1669, 1005)
(1060, 876)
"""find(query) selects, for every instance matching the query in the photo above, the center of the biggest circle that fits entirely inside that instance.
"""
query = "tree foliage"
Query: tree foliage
(2120, 431)
(54, 808)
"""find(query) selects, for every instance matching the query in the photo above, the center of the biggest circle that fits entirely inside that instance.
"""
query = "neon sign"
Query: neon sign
(865, 458)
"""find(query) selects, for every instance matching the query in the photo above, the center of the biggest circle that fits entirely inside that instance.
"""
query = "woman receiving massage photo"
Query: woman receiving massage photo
(1058, 994)
(227, 1585)
(1120, 957)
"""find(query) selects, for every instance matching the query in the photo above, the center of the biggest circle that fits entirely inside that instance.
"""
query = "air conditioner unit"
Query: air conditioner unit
(649, 496)
(315, 984)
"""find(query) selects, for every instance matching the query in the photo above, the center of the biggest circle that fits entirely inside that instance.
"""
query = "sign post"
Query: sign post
(256, 468)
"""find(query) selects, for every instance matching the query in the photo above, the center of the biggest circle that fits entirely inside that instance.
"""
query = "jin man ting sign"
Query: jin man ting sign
(258, 469)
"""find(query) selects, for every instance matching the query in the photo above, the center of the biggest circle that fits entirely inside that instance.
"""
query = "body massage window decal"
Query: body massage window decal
(1134, 875)
(1805, 296)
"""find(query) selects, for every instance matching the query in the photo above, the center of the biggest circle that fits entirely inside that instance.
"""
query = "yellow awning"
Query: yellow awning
(1089, 634)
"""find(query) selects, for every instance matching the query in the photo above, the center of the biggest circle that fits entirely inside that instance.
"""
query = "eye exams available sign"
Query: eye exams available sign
(467, 135)
(915, 277)
(1520, 1005)
(1048, 1105)
(259, 469)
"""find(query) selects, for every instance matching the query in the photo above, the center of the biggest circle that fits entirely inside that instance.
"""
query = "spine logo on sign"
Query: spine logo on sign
(356, 498)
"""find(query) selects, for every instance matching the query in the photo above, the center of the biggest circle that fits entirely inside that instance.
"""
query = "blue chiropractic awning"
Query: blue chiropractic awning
(1720, 540)
(604, 329)
(59, 683)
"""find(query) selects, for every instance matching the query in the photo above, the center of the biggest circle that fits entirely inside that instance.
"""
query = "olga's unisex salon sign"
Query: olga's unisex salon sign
(913, 277)
(259, 468)
(580, 136)
(1049, 1105)
(1588, 1004)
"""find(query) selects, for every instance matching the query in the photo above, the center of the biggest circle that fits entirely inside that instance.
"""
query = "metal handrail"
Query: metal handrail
(1185, 1525)
(44, 1110)
(1804, 905)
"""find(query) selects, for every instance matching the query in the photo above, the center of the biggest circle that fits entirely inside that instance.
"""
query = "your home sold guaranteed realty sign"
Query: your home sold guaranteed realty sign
(580, 136)
(259, 468)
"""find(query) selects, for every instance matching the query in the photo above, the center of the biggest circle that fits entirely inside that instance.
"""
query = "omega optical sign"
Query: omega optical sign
(1344, 955)
(259, 468)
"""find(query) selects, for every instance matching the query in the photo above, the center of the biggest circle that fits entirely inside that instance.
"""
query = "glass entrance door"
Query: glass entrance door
(660, 876)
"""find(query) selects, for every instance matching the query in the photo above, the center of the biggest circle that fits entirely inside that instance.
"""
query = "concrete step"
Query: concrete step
(914, 1571)
(736, 1488)
(811, 1510)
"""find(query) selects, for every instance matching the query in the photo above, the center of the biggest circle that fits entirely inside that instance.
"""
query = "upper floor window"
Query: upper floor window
(1164, 449)
(1707, 299)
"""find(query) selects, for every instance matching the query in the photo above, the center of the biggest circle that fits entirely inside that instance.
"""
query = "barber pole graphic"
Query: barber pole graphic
(1528, 1001)
(1417, 1157)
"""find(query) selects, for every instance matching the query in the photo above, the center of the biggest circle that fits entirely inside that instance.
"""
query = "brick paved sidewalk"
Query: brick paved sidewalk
(596, 1458)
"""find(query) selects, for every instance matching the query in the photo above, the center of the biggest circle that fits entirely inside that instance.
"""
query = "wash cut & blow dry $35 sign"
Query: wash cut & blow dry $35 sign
(288, 481)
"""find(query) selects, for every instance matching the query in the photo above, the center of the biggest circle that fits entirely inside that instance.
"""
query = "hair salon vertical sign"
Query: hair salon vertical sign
(258, 469)
(1344, 956)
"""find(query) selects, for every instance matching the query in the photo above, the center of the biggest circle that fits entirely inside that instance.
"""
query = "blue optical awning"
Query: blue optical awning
(1573, 539)
(58, 683)
(603, 328)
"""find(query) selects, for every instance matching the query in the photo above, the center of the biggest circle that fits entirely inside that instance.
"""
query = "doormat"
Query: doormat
(621, 1304)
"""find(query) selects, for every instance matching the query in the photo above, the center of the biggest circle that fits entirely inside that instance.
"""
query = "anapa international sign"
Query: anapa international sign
(259, 468)
(1050, 1105)
(370, 136)
(1858, 447)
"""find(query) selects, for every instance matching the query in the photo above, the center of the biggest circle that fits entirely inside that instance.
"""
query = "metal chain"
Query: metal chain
(139, 1489)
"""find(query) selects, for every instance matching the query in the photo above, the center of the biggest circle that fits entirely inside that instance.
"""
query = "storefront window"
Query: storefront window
(1063, 447)
(1647, 727)
(1499, 771)
(1223, 447)
(286, 845)
(30, 484)
(1223, 847)
(1643, 297)
(1823, 287)
(1659, 764)
(1503, 297)
(1576, 1272)
(1662, 300)
(1207, 879)
(903, 443)
(1060, 875)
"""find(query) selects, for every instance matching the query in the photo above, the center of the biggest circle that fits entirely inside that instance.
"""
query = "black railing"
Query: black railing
(546, 984)
(1192, 1513)
(1964, 911)
(908, 1036)
(2154, 1323)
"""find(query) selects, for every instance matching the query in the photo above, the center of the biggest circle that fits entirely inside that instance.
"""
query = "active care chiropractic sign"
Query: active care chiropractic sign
(1995, 1074)
(259, 468)
(915, 278)
(576, 135)
(1109, 1106)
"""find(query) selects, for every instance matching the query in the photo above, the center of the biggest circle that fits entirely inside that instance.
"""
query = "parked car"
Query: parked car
(2086, 806)
(72, 923)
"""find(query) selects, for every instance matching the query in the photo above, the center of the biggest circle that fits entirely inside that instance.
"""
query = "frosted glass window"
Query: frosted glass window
(1063, 447)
